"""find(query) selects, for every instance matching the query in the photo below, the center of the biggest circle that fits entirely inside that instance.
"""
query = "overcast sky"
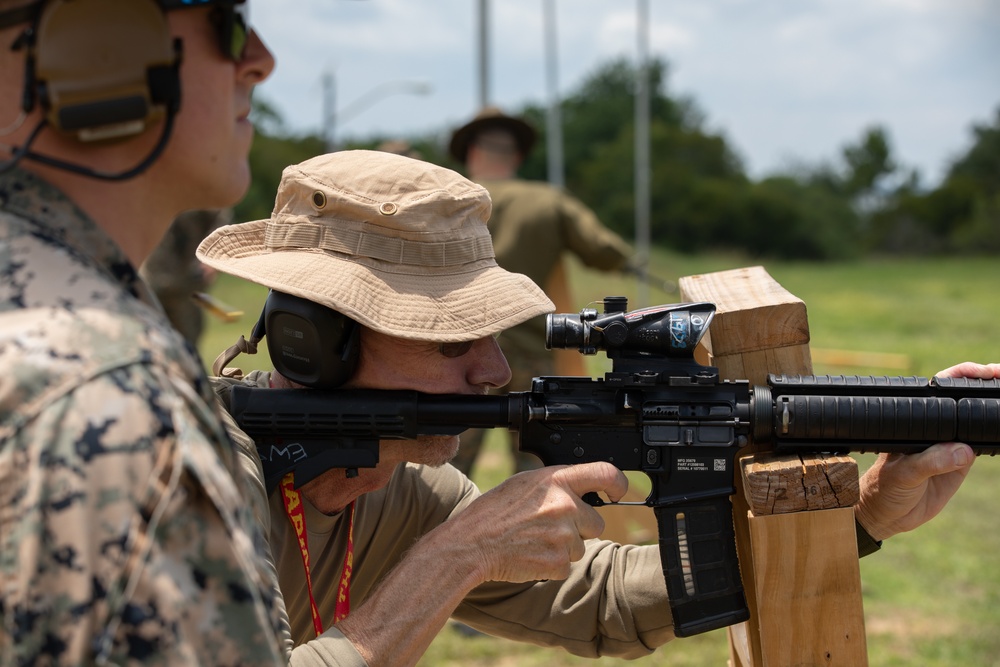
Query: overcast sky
(783, 80)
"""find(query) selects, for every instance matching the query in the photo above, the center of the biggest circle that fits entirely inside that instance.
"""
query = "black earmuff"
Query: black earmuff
(309, 343)
(102, 69)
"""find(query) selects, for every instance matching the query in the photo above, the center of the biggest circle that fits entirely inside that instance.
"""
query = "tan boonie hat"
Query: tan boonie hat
(487, 119)
(397, 244)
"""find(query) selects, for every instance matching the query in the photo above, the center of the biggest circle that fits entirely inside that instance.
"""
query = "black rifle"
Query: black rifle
(657, 411)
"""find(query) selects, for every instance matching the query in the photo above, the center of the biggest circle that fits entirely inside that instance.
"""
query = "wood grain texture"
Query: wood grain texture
(792, 561)
(783, 484)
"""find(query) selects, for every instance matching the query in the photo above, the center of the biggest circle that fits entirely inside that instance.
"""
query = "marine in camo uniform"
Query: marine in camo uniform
(124, 534)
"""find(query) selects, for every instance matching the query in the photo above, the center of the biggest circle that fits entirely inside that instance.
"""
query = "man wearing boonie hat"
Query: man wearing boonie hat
(396, 251)
(401, 247)
(533, 224)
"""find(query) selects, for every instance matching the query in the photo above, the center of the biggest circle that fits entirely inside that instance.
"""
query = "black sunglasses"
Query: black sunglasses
(231, 19)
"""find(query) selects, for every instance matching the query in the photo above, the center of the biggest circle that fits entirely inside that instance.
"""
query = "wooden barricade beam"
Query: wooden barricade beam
(800, 568)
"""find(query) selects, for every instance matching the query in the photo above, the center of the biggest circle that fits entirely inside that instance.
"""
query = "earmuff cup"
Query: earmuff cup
(104, 68)
(309, 343)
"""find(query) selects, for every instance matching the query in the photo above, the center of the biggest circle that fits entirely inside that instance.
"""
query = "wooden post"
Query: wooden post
(800, 569)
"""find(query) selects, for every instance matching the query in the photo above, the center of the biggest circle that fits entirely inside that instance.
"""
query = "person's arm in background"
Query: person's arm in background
(597, 246)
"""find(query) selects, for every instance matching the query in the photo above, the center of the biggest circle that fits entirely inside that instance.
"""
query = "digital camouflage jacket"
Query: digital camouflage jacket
(124, 535)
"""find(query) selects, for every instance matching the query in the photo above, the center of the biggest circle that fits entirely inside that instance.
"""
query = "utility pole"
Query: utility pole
(329, 111)
(554, 135)
(484, 53)
(642, 170)
(334, 117)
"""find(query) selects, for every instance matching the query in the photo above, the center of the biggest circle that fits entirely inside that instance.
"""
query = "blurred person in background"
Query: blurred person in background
(533, 225)
(175, 274)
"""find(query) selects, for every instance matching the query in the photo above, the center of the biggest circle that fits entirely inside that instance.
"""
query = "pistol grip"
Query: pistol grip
(698, 553)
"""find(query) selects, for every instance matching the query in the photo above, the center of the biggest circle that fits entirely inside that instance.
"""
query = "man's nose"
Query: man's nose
(490, 367)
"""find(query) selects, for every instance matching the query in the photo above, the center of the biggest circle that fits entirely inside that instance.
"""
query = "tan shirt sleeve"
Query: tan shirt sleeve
(614, 603)
(331, 649)
(596, 245)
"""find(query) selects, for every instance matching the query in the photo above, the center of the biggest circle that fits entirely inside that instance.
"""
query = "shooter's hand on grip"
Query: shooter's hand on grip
(533, 525)
(901, 492)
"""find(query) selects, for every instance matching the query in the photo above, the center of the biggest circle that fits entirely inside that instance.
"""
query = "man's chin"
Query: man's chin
(439, 450)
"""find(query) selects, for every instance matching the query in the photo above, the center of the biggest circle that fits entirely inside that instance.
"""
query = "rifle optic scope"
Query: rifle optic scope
(672, 330)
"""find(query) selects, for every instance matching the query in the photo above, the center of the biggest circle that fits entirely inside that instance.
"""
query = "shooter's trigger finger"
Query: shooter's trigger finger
(599, 476)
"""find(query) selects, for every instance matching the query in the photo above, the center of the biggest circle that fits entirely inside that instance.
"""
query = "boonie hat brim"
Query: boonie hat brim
(397, 244)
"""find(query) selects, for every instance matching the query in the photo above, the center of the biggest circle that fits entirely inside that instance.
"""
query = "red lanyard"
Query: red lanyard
(296, 514)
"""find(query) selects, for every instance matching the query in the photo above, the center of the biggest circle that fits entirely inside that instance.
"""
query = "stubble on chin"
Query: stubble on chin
(437, 450)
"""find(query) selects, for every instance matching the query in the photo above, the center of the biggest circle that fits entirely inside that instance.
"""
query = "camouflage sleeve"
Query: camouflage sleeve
(124, 539)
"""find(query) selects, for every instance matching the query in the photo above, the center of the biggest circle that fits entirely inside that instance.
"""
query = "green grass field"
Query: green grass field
(932, 597)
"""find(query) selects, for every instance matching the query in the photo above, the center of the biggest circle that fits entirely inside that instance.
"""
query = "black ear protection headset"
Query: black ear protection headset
(308, 343)
(100, 70)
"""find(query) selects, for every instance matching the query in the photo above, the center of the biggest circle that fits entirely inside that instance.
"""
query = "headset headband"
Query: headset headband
(100, 70)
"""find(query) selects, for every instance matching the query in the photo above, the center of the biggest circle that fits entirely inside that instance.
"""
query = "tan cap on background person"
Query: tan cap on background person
(487, 119)
(397, 244)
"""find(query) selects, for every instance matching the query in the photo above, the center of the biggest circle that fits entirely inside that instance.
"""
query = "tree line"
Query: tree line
(863, 202)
